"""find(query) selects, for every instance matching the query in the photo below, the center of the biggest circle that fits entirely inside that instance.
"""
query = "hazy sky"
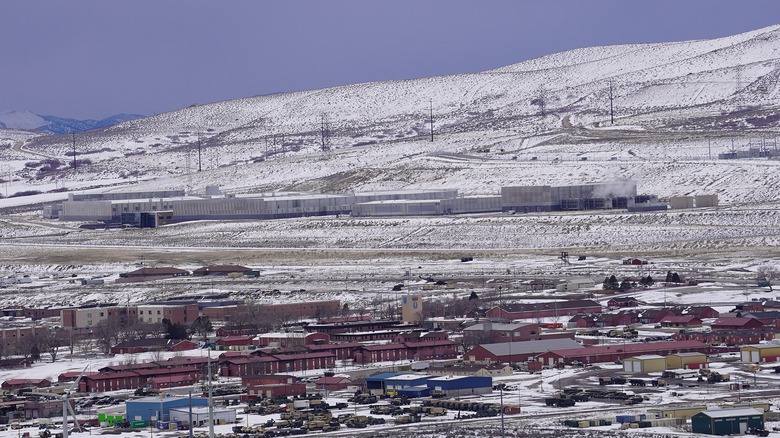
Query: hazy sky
(95, 58)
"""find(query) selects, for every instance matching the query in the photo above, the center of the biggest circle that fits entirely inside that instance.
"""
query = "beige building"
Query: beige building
(646, 363)
(690, 411)
(686, 361)
(411, 308)
(85, 317)
(760, 353)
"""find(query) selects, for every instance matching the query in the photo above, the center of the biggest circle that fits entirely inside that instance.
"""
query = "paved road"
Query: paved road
(19, 147)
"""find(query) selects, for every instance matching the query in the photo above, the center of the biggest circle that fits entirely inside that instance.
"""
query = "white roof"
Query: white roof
(736, 412)
(409, 377)
(445, 378)
(646, 357)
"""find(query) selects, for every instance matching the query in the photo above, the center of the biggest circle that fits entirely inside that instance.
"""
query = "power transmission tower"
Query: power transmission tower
(324, 133)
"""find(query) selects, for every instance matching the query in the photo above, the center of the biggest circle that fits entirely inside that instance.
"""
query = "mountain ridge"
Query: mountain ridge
(48, 124)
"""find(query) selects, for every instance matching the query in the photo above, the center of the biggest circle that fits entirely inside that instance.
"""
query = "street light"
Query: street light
(501, 389)
(151, 429)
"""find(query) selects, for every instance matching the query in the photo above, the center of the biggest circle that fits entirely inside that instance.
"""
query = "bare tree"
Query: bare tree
(50, 342)
(768, 273)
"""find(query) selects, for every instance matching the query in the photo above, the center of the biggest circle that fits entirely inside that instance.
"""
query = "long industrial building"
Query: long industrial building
(148, 209)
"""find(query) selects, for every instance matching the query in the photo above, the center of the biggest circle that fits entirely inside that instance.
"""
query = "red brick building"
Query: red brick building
(494, 332)
(543, 310)
(612, 353)
(14, 384)
(270, 386)
(681, 321)
(149, 274)
(736, 324)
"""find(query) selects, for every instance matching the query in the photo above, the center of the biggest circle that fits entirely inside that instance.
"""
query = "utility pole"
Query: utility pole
(211, 402)
(611, 106)
(200, 168)
(501, 388)
(430, 103)
(190, 415)
(73, 134)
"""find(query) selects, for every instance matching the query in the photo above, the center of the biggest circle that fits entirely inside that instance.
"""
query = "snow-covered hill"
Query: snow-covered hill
(542, 121)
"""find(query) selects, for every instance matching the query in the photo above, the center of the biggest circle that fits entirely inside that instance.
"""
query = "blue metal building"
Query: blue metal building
(377, 381)
(402, 381)
(157, 408)
(461, 385)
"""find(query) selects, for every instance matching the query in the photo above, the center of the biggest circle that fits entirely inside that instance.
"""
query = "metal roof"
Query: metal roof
(737, 412)
(530, 347)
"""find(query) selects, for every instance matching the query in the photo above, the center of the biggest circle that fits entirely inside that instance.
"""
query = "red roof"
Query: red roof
(733, 321)
(15, 382)
(302, 356)
(327, 347)
(632, 348)
(171, 379)
(166, 371)
(106, 376)
(680, 319)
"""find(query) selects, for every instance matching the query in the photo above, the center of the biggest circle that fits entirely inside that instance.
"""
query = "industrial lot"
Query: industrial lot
(525, 352)
(160, 207)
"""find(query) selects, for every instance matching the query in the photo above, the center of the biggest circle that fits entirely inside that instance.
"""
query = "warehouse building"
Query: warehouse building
(727, 421)
(574, 197)
(158, 408)
(159, 207)
(686, 361)
(646, 363)
(760, 353)
(457, 386)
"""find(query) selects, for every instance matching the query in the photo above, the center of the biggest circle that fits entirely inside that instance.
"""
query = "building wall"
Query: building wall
(674, 362)
(472, 204)
(411, 308)
(678, 202)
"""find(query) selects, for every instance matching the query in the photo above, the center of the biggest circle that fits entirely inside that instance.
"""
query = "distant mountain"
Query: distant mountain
(29, 121)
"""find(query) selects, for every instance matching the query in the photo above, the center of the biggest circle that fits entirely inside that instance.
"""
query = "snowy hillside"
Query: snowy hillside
(543, 121)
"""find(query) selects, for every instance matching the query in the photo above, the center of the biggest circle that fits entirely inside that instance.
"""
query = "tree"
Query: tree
(107, 334)
(668, 276)
(174, 331)
(51, 342)
(676, 278)
(473, 296)
(611, 283)
(625, 285)
(202, 327)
